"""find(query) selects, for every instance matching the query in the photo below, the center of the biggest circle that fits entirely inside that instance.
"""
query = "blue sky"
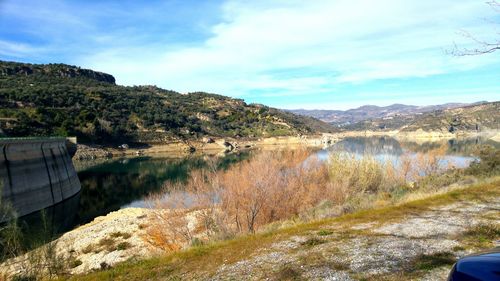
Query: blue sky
(327, 54)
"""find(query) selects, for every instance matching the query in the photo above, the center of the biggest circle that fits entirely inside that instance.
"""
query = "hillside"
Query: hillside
(471, 118)
(58, 99)
(366, 112)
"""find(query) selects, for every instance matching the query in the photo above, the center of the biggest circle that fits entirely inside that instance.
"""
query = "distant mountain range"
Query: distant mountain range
(367, 112)
(477, 117)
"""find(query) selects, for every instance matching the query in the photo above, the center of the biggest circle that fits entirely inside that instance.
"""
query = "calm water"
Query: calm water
(114, 184)
(458, 153)
(122, 183)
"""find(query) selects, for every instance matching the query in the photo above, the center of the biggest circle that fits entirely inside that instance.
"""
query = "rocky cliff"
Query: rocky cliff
(54, 70)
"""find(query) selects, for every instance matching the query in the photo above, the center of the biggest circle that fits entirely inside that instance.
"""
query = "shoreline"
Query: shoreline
(214, 146)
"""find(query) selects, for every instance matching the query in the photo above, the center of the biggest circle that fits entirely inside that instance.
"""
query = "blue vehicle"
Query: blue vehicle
(483, 266)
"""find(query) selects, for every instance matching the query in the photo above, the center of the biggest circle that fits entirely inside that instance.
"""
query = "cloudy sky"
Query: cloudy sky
(328, 54)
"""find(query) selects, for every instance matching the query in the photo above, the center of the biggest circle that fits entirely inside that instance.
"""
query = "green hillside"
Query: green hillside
(58, 99)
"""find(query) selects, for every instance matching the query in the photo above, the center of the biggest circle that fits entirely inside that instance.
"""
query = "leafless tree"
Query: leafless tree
(483, 46)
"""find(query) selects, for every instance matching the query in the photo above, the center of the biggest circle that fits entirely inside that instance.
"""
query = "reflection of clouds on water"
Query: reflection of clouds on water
(383, 149)
(369, 146)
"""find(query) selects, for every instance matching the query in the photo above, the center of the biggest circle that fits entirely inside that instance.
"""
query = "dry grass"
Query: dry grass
(202, 262)
(481, 236)
(275, 186)
(272, 186)
(119, 234)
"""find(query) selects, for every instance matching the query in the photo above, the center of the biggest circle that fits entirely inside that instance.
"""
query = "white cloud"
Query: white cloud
(14, 49)
(350, 41)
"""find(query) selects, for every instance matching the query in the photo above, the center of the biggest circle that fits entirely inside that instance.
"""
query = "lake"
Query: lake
(112, 184)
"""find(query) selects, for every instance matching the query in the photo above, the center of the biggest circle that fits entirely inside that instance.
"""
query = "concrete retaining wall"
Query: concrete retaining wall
(36, 173)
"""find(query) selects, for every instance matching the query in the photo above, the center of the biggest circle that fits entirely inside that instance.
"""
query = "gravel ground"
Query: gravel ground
(340, 252)
(371, 249)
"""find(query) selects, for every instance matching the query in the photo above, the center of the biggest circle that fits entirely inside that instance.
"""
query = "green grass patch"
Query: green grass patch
(313, 241)
(429, 262)
(325, 232)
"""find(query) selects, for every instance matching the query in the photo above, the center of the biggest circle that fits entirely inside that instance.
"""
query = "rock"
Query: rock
(208, 140)
(123, 146)
(85, 152)
(190, 149)
(228, 146)
(123, 226)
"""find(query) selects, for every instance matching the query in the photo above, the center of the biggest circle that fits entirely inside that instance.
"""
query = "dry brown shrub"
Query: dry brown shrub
(430, 163)
(355, 175)
(168, 226)
(273, 186)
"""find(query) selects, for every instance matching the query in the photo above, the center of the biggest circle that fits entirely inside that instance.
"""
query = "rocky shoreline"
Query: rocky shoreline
(206, 146)
(212, 146)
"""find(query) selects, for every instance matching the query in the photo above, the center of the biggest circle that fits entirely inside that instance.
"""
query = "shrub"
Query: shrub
(123, 246)
(276, 186)
(108, 244)
(75, 263)
(89, 248)
(118, 234)
(488, 163)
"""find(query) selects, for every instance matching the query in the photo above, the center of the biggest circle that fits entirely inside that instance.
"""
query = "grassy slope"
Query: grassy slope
(202, 262)
(58, 99)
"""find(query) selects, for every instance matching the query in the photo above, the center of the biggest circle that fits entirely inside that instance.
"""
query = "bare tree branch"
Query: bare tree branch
(484, 47)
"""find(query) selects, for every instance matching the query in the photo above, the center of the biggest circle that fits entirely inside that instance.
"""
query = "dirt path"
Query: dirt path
(419, 246)
(417, 240)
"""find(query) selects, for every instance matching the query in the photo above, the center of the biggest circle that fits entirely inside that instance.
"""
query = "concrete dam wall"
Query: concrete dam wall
(36, 173)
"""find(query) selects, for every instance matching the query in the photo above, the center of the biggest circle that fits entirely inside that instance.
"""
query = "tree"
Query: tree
(483, 46)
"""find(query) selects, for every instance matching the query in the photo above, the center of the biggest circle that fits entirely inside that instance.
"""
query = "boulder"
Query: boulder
(208, 140)
(124, 146)
(228, 146)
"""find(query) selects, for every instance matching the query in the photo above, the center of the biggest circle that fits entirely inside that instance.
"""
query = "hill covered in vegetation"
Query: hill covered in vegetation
(62, 100)
(471, 118)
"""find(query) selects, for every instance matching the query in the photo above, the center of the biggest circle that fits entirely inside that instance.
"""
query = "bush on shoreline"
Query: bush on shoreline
(276, 186)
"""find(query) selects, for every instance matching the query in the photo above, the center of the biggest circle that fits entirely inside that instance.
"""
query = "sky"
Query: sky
(321, 54)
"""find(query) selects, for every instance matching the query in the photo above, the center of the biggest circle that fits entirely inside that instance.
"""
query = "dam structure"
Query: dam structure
(37, 173)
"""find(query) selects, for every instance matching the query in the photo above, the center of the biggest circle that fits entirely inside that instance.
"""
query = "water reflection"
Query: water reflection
(115, 184)
(109, 186)
(458, 152)
(369, 146)
(392, 146)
